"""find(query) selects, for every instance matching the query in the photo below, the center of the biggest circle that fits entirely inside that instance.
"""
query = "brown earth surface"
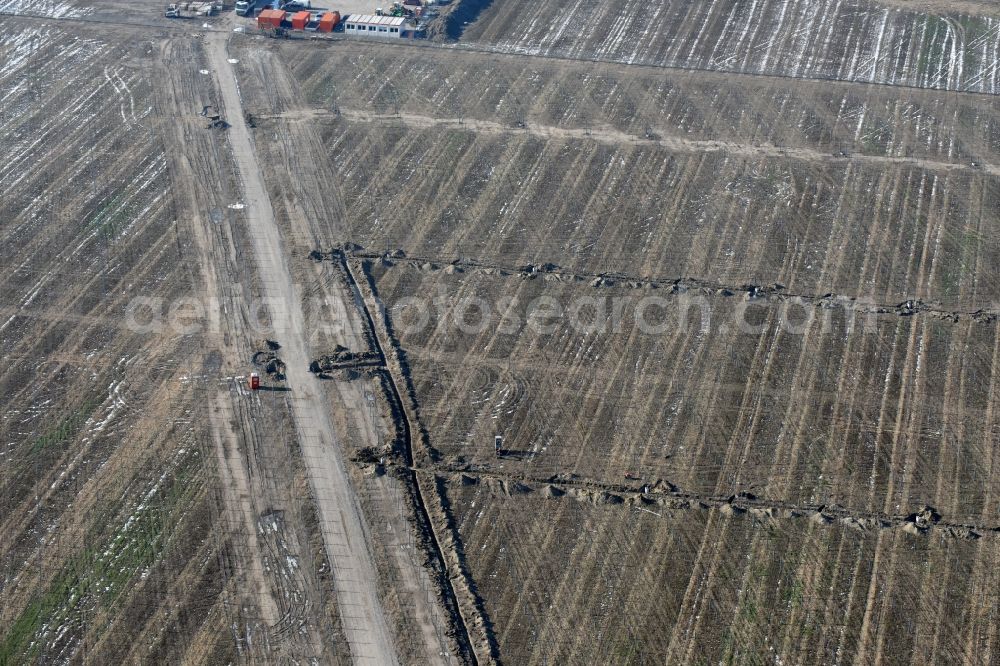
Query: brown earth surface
(736, 326)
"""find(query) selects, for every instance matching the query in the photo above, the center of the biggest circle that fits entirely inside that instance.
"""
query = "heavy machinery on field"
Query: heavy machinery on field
(247, 7)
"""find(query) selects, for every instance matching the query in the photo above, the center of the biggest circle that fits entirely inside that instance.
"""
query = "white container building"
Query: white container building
(370, 25)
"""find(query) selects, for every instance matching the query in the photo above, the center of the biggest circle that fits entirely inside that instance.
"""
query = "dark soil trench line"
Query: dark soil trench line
(422, 518)
(565, 486)
(769, 293)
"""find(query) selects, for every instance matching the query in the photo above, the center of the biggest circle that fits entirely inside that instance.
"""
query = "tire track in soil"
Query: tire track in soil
(249, 486)
(311, 209)
(342, 525)
(659, 137)
(237, 474)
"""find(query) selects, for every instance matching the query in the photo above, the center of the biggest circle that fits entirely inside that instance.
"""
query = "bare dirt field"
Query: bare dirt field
(154, 508)
(655, 582)
(721, 277)
(514, 179)
(856, 40)
(109, 511)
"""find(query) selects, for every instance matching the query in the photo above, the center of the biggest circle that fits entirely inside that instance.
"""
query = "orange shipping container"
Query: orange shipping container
(272, 17)
(300, 20)
(329, 21)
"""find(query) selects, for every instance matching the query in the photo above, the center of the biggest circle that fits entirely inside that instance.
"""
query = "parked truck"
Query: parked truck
(246, 7)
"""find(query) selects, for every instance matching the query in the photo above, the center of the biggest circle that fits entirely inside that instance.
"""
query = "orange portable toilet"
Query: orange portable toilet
(329, 21)
(300, 20)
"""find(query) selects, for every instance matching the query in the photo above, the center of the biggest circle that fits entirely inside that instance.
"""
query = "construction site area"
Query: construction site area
(549, 332)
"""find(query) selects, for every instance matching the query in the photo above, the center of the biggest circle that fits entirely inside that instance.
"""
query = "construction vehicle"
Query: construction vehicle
(192, 9)
(246, 7)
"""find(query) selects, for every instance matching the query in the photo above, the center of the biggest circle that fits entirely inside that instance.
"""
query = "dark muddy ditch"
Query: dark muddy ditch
(463, 15)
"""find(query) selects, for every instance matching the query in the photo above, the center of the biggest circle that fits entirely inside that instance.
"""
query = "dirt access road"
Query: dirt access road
(344, 532)
(659, 137)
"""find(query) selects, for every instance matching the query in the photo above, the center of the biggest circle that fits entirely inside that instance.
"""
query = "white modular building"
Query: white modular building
(374, 26)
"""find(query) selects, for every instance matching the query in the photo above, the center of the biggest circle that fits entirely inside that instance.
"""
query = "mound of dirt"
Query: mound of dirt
(518, 488)
(271, 364)
(926, 517)
(341, 358)
(731, 510)
(606, 498)
(821, 518)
